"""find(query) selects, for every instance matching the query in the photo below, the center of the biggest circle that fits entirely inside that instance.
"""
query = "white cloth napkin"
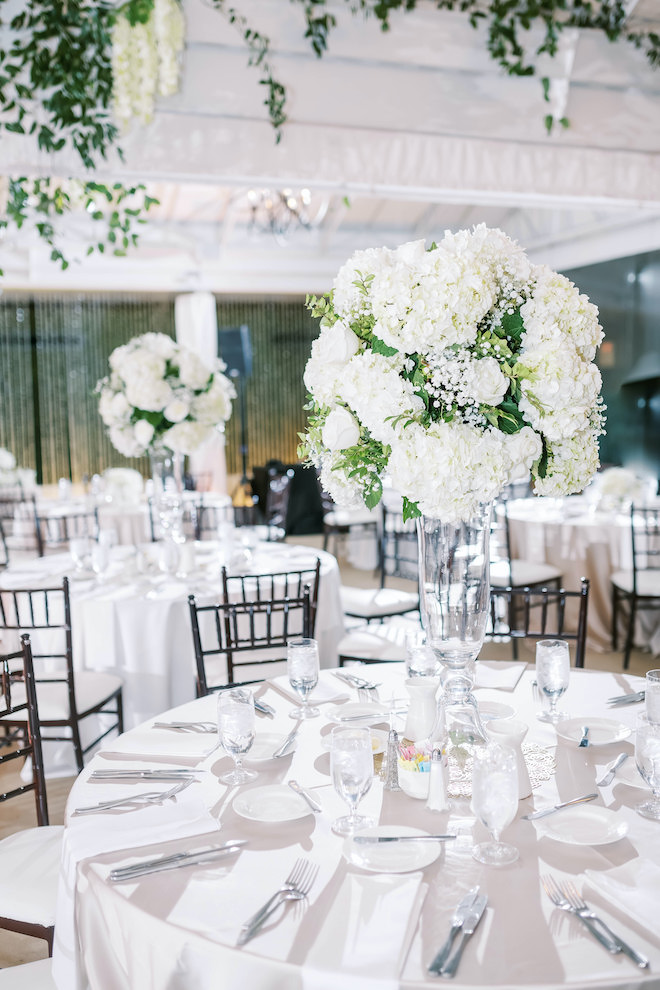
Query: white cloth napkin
(168, 743)
(322, 692)
(365, 933)
(633, 888)
(495, 674)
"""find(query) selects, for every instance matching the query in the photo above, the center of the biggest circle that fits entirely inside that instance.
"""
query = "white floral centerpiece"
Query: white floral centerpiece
(162, 396)
(11, 475)
(455, 371)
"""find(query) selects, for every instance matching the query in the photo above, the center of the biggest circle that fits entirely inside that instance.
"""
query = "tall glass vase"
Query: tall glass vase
(167, 469)
(454, 585)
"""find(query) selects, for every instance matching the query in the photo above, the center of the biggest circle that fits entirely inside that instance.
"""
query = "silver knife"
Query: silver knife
(608, 775)
(265, 709)
(295, 786)
(143, 775)
(174, 861)
(557, 807)
(187, 726)
(627, 699)
(286, 746)
(399, 838)
(472, 919)
(460, 912)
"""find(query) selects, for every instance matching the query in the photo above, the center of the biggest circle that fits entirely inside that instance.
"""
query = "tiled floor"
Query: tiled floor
(19, 813)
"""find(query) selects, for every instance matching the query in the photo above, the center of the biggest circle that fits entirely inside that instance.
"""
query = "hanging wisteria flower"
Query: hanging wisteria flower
(146, 58)
(455, 371)
(160, 395)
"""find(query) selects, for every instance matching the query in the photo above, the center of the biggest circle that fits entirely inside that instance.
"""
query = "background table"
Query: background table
(372, 931)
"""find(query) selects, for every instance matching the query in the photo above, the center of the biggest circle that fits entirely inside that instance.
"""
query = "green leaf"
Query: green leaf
(379, 346)
(411, 510)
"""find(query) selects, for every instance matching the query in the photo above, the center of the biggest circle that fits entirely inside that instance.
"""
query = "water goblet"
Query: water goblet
(495, 801)
(80, 549)
(647, 757)
(553, 665)
(100, 559)
(302, 666)
(352, 769)
(652, 695)
(236, 731)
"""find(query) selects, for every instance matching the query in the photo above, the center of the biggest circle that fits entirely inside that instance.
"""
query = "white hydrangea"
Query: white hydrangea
(186, 437)
(557, 311)
(349, 300)
(214, 405)
(193, 372)
(559, 398)
(521, 449)
(571, 465)
(373, 388)
(7, 460)
(345, 491)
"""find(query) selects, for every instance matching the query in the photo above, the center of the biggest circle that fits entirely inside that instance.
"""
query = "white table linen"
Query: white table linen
(177, 929)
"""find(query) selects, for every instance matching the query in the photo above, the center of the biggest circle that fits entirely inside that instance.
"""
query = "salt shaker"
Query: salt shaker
(438, 799)
(392, 762)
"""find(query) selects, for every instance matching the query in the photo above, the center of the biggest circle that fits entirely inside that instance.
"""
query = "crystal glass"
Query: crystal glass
(100, 558)
(495, 801)
(302, 666)
(653, 695)
(352, 769)
(236, 731)
(80, 550)
(647, 756)
(553, 664)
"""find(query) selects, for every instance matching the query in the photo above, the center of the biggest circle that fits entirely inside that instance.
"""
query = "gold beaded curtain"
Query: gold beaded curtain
(54, 348)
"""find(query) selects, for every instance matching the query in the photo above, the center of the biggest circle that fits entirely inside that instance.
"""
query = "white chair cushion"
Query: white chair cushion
(29, 871)
(30, 976)
(53, 699)
(524, 573)
(370, 603)
(382, 642)
(648, 582)
(350, 517)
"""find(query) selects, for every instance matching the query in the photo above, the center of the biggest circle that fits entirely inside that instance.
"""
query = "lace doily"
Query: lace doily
(541, 764)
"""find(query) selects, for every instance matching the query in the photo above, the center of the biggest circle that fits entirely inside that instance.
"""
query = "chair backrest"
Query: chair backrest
(500, 538)
(46, 613)
(540, 613)
(4, 553)
(398, 547)
(645, 529)
(57, 531)
(277, 584)
(212, 516)
(18, 514)
(14, 668)
(239, 632)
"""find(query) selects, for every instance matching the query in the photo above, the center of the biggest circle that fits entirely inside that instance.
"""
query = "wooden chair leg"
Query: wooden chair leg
(630, 635)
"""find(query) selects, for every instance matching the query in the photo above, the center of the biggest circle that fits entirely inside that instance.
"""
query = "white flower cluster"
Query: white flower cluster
(162, 395)
(621, 483)
(12, 475)
(146, 60)
(453, 370)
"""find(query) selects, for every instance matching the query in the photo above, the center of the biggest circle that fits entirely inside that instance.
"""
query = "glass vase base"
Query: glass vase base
(349, 826)
(495, 853)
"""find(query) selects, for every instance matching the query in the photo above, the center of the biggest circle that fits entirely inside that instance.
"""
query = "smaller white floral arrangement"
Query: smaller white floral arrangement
(160, 395)
(12, 475)
(620, 484)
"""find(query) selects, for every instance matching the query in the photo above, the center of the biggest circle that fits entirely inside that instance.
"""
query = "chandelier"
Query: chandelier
(281, 212)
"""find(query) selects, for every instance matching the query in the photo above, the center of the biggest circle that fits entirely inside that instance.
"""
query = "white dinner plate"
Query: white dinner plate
(391, 857)
(271, 803)
(489, 710)
(586, 826)
(378, 741)
(264, 746)
(355, 713)
(602, 731)
(629, 774)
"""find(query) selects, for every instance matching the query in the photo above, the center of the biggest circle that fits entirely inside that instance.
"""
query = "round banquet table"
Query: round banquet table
(359, 928)
(136, 622)
(574, 536)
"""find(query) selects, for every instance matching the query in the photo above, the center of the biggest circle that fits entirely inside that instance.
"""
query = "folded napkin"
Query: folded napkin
(365, 933)
(496, 674)
(633, 888)
(168, 743)
(322, 692)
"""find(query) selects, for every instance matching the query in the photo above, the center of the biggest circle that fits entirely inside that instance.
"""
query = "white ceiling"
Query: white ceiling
(398, 135)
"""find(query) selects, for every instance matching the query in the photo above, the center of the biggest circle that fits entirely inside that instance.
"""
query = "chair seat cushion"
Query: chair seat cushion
(350, 517)
(372, 603)
(92, 687)
(29, 871)
(524, 573)
(648, 582)
(30, 976)
(382, 642)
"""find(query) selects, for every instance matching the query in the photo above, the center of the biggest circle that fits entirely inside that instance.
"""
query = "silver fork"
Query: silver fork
(558, 898)
(296, 887)
(577, 901)
(136, 800)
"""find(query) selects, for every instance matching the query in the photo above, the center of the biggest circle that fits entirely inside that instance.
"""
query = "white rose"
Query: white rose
(176, 410)
(143, 432)
(489, 383)
(341, 430)
(337, 344)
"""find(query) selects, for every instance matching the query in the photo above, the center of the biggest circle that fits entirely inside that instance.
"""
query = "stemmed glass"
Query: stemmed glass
(100, 558)
(352, 768)
(495, 801)
(553, 666)
(647, 757)
(236, 731)
(302, 666)
(80, 549)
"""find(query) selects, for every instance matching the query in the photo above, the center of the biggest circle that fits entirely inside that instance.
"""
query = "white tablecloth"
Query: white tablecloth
(359, 930)
(581, 542)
